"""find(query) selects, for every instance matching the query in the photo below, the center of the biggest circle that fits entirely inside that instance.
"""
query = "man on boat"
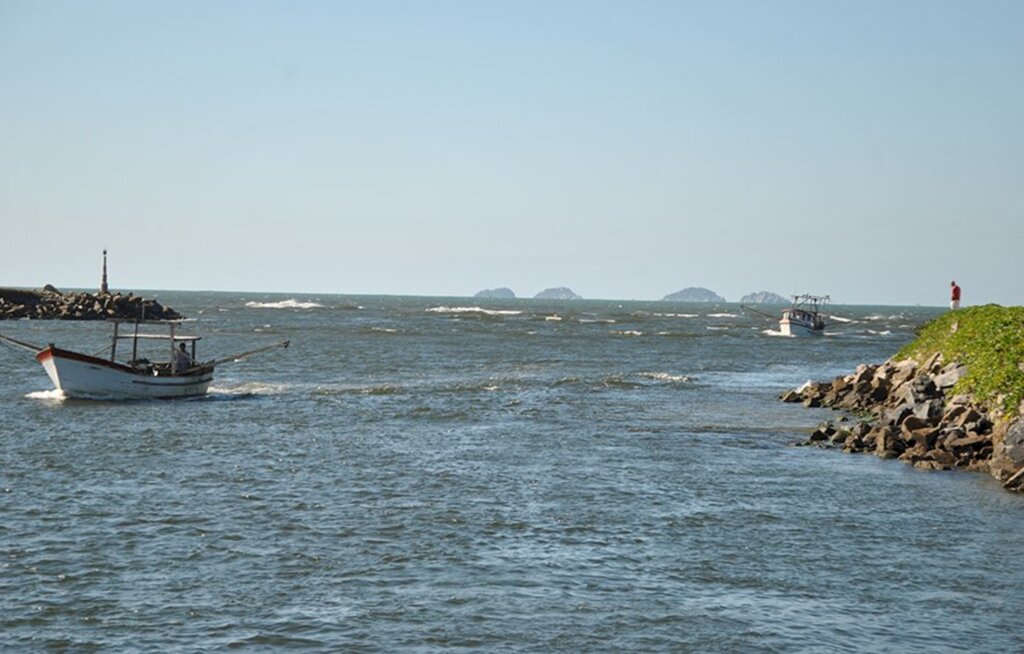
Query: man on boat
(182, 361)
(954, 297)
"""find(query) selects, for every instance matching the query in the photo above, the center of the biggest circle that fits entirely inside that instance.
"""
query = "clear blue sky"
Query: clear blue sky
(870, 150)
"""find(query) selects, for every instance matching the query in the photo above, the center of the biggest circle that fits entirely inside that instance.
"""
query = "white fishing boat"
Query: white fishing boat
(89, 376)
(804, 317)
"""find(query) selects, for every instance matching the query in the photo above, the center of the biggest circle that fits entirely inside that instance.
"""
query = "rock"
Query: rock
(971, 440)
(943, 458)
(791, 396)
(694, 294)
(49, 288)
(949, 376)
(887, 443)
(1013, 442)
(929, 411)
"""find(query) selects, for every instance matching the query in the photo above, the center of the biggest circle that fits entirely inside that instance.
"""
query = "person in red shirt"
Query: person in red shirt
(954, 296)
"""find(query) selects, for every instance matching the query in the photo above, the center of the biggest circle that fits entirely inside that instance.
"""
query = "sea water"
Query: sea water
(424, 474)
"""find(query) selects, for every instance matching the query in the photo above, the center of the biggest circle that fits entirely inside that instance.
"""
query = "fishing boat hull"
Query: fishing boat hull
(82, 376)
(799, 328)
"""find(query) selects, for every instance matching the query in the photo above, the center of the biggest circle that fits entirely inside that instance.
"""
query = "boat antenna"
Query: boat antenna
(103, 282)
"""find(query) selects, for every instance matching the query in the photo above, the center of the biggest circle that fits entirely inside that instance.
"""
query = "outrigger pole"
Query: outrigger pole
(236, 357)
(760, 313)
(21, 344)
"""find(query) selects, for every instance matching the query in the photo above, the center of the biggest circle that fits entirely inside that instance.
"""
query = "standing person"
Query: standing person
(954, 295)
(182, 361)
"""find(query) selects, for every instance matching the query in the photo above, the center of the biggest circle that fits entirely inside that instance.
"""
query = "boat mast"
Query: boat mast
(174, 372)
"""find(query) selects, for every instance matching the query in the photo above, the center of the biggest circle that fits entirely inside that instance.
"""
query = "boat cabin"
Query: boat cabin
(178, 362)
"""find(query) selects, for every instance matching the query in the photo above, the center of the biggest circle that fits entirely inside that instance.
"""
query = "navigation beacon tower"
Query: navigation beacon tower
(103, 282)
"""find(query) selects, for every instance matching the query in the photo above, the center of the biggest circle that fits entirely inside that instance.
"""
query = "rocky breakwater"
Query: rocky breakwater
(51, 304)
(952, 399)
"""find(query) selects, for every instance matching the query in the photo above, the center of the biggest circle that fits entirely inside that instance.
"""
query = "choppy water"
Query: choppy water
(422, 474)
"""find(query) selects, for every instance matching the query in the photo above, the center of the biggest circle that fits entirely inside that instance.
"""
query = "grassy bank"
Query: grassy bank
(989, 340)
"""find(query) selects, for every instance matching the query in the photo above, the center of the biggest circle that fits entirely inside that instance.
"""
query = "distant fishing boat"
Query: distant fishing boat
(804, 317)
(79, 375)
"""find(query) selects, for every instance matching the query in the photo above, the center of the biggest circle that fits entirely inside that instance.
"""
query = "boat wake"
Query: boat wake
(775, 332)
(284, 304)
(52, 395)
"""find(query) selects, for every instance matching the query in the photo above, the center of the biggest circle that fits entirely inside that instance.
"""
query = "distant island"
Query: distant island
(560, 293)
(763, 297)
(694, 294)
(496, 294)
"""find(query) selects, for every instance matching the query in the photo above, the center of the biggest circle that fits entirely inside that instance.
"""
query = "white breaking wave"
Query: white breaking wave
(677, 315)
(52, 394)
(284, 304)
(841, 319)
(554, 318)
(665, 377)
(249, 388)
(723, 315)
(772, 332)
(627, 332)
(487, 312)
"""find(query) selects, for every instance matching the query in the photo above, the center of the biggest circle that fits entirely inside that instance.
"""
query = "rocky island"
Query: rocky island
(496, 294)
(559, 293)
(694, 294)
(51, 304)
(763, 297)
(951, 399)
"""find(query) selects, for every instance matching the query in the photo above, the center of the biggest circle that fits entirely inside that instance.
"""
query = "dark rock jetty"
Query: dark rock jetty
(904, 411)
(51, 304)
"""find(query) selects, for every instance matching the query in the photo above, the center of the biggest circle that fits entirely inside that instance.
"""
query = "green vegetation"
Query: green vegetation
(989, 340)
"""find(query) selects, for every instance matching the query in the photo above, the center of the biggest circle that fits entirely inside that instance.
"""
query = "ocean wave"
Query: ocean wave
(773, 332)
(677, 315)
(666, 377)
(716, 328)
(481, 310)
(884, 332)
(841, 319)
(247, 389)
(553, 318)
(723, 315)
(284, 304)
(626, 332)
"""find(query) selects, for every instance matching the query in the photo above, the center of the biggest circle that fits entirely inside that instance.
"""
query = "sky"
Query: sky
(869, 150)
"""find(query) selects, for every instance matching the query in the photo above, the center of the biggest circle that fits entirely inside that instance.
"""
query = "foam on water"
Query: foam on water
(52, 395)
(841, 319)
(248, 388)
(481, 310)
(284, 304)
(666, 377)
